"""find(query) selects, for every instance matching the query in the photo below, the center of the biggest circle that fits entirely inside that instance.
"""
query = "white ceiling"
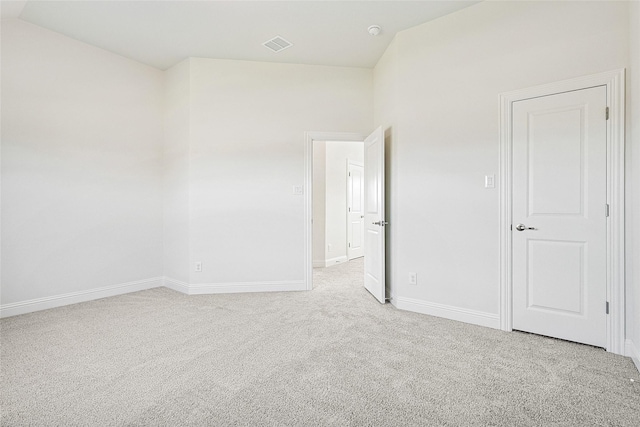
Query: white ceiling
(162, 33)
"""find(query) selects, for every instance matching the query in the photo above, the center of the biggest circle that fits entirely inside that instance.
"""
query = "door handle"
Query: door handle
(380, 223)
(522, 227)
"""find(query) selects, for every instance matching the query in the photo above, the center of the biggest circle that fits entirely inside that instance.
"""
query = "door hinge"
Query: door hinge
(607, 307)
(349, 244)
(349, 209)
(349, 173)
(606, 209)
(607, 113)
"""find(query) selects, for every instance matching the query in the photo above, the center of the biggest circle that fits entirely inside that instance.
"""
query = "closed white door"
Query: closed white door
(374, 219)
(559, 215)
(355, 209)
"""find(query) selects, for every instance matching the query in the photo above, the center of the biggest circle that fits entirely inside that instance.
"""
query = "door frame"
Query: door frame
(615, 286)
(309, 137)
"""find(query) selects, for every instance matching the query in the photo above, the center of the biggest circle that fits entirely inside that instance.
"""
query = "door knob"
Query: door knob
(380, 223)
(522, 227)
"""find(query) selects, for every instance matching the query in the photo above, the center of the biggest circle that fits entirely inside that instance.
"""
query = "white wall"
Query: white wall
(336, 196)
(81, 193)
(176, 172)
(447, 75)
(633, 187)
(247, 125)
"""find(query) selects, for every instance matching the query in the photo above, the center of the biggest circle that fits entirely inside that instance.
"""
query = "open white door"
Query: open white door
(355, 207)
(374, 219)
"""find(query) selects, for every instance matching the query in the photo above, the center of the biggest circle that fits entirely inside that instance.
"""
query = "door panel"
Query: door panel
(555, 281)
(374, 245)
(355, 214)
(559, 196)
(557, 157)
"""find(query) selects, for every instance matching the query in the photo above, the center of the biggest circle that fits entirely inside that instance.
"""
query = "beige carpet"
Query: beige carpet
(333, 356)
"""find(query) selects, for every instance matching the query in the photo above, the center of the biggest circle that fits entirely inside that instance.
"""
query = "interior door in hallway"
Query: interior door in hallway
(374, 218)
(559, 215)
(355, 209)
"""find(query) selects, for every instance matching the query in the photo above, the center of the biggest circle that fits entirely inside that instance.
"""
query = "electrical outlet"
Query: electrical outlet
(413, 278)
(198, 267)
(298, 190)
(490, 181)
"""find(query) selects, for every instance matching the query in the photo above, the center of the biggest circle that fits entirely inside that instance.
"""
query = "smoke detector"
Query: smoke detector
(374, 30)
(277, 44)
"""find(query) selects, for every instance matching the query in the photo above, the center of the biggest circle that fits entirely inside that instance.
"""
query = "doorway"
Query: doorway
(562, 210)
(373, 207)
(338, 199)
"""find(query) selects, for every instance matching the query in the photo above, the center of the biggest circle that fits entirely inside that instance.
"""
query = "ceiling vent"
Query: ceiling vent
(277, 44)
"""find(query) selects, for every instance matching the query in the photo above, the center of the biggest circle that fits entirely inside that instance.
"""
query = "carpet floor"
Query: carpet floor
(330, 357)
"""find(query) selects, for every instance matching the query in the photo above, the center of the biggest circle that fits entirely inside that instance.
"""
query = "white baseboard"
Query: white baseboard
(633, 352)
(393, 300)
(329, 262)
(242, 287)
(449, 312)
(337, 260)
(176, 285)
(29, 306)
(232, 287)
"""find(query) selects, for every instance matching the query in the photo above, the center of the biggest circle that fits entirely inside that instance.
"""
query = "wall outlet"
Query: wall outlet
(198, 267)
(489, 181)
(298, 190)
(413, 278)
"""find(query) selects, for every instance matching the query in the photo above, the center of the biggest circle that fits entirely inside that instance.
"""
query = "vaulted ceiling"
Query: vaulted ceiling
(162, 33)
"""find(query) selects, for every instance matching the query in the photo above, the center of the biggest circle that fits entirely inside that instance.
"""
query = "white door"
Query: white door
(559, 215)
(355, 209)
(374, 219)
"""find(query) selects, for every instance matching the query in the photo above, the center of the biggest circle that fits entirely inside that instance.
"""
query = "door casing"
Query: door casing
(615, 84)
